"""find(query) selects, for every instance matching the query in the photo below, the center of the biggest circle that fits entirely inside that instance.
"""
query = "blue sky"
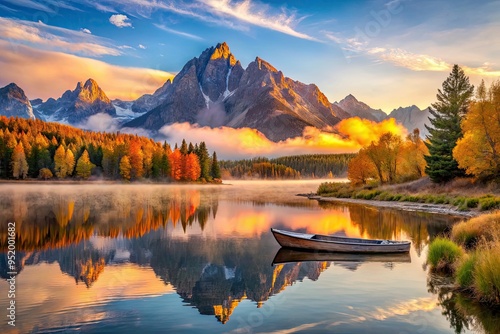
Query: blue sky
(388, 53)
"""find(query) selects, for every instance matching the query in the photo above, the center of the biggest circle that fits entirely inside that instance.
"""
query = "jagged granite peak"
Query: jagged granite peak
(148, 102)
(215, 90)
(13, 102)
(75, 106)
(356, 108)
(411, 118)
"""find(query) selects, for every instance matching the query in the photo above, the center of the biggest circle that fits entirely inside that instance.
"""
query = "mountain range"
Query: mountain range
(212, 90)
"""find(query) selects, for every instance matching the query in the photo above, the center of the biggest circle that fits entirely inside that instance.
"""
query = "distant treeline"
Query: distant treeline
(37, 149)
(289, 167)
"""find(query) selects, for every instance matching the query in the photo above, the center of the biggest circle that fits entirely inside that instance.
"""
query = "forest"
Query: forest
(288, 167)
(32, 149)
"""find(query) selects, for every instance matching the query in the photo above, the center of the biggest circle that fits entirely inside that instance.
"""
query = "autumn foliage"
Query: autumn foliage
(478, 152)
(389, 160)
(37, 149)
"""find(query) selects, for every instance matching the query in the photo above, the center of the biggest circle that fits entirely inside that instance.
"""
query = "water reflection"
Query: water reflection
(211, 246)
(462, 312)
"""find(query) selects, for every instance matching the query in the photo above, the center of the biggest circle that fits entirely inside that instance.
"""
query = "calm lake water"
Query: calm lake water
(199, 259)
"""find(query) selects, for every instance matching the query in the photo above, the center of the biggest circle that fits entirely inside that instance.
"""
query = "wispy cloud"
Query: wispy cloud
(120, 20)
(57, 38)
(31, 4)
(412, 61)
(142, 47)
(87, 31)
(418, 62)
(258, 15)
(227, 13)
(177, 32)
(37, 72)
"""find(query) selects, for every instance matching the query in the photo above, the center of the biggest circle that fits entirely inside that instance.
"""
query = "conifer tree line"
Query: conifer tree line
(288, 167)
(37, 149)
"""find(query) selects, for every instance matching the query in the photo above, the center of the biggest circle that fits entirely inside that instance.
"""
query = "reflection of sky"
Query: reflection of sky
(127, 297)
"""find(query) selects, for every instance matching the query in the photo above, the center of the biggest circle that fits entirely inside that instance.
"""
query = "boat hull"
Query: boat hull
(348, 245)
(288, 255)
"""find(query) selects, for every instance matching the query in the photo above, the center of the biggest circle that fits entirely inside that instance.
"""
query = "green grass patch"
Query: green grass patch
(464, 274)
(487, 274)
(489, 203)
(443, 253)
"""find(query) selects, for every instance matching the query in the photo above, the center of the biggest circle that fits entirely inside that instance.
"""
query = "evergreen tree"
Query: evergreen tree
(448, 111)
(204, 159)
(184, 147)
(215, 167)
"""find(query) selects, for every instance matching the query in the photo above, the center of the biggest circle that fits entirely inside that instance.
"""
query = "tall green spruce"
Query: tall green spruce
(451, 106)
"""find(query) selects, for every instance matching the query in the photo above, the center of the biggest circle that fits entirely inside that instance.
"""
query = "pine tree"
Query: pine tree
(204, 159)
(215, 167)
(449, 110)
(184, 147)
(84, 166)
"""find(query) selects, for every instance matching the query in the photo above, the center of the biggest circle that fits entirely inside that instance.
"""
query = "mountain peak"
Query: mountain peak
(351, 97)
(222, 51)
(13, 102)
(90, 83)
(264, 65)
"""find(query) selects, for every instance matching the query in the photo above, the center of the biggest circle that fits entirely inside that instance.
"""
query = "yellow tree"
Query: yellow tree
(84, 166)
(361, 169)
(60, 164)
(125, 167)
(412, 159)
(70, 162)
(19, 163)
(478, 151)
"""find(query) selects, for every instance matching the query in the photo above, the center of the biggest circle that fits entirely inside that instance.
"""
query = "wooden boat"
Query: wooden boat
(289, 255)
(328, 243)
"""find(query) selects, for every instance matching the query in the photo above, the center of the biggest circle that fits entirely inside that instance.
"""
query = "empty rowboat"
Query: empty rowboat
(328, 243)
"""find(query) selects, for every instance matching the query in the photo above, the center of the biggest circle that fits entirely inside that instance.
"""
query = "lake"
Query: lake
(200, 259)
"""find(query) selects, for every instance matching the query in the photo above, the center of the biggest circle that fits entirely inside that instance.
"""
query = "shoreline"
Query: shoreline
(444, 209)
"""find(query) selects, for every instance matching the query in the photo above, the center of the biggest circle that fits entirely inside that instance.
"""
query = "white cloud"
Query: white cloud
(177, 32)
(257, 14)
(100, 122)
(55, 38)
(87, 31)
(142, 47)
(120, 20)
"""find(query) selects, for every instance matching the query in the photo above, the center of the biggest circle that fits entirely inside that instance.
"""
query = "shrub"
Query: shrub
(488, 203)
(45, 174)
(458, 201)
(487, 274)
(464, 273)
(468, 233)
(471, 202)
(443, 253)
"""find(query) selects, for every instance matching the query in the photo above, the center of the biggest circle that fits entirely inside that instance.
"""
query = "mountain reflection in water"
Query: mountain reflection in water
(209, 245)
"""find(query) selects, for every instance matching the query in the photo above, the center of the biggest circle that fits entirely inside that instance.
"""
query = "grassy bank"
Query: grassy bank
(462, 195)
(472, 255)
